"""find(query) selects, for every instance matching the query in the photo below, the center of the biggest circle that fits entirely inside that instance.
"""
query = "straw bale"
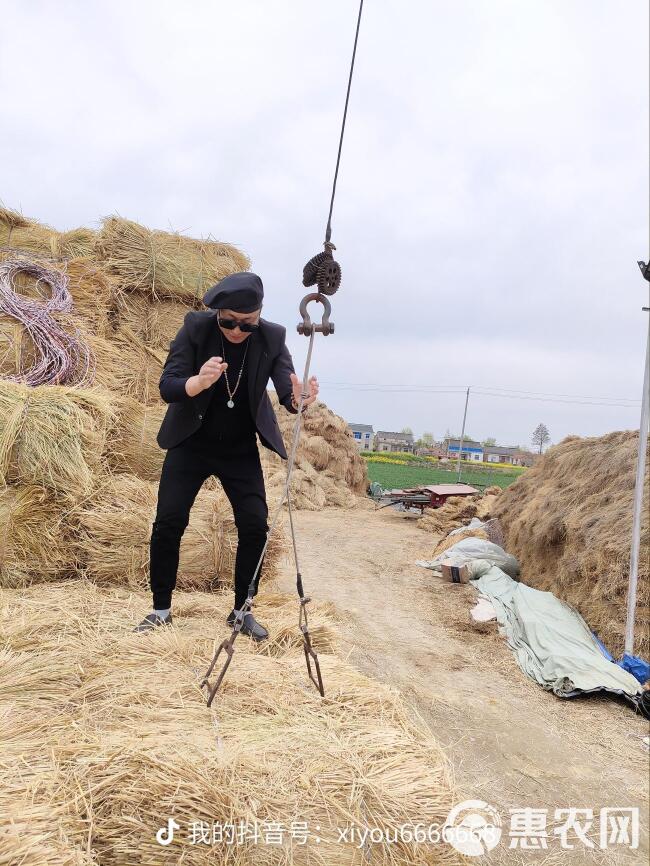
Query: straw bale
(74, 243)
(113, 532)
(568, 519)
(132, 445)
(494, 490)
(456, 512)
(128, 366)
(164, 264)
(485, 505)
(35, 539)
(154, 322)
(306, 492)
(94, 295)
(332, 471)
(143, 746)
(317, 450)
(11, 219)
(21, 233)
(53, 436)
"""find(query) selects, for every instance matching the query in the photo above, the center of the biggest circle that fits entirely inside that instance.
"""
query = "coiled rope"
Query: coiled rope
(61, 358)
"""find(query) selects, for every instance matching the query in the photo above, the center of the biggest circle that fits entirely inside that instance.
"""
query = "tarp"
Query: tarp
(550, 640)
(469, 549)
(638, 667)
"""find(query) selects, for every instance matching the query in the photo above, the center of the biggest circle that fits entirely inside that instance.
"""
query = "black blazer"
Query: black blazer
(199, 339)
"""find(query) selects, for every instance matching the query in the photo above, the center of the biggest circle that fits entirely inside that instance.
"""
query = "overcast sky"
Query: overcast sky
(492, 200)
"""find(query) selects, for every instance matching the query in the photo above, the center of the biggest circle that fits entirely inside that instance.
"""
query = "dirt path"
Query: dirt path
(511, 744)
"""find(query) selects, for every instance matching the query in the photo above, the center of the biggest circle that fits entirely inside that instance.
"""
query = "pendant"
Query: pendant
(230, 404)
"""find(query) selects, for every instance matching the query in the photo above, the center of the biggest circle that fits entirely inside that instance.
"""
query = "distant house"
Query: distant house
(471, 450)
(362, 435)
(386, 441)
(503, 454)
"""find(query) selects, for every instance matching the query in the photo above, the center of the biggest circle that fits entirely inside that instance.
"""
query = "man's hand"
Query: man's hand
(207, 375)
(211, 371)
(296, 391)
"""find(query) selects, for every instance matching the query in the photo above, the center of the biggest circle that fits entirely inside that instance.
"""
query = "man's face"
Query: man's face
(235, 335)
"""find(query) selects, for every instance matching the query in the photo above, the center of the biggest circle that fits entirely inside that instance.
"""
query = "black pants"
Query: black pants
(185, 468)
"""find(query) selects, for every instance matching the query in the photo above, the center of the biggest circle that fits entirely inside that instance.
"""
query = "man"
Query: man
(214, 380)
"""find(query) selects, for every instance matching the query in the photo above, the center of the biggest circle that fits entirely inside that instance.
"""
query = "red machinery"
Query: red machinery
(427, 496)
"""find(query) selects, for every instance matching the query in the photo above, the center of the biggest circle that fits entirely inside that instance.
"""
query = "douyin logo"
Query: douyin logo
(165, 836)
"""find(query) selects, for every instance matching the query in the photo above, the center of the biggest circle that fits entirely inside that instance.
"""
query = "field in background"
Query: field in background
(405, 470)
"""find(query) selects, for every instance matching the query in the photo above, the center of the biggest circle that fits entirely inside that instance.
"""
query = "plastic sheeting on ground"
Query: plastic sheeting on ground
(469, 549)
(551, 642)
(638, 667)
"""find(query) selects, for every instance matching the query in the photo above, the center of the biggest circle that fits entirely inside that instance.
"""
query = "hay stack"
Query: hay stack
(456, 512)
(35, 538)
(164, 264)
(94, 295)
(74, 244)
(19, 232)
(132, 446)
(154, 322)
(53, 436)
(487, 502)
(121, 739)
(328, 471)
(127, 366)
(114, 531)
(568, 520)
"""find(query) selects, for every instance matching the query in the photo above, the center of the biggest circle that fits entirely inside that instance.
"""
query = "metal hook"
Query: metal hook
(227, 646)
(306, 327)
(307, 646)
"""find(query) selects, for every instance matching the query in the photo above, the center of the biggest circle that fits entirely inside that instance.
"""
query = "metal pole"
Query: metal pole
(462, 435)
(638, 492)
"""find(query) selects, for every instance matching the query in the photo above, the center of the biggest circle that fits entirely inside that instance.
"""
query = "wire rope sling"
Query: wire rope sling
(323, 272)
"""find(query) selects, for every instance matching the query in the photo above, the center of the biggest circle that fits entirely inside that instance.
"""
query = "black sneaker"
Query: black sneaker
(152, 620)
(250, 626)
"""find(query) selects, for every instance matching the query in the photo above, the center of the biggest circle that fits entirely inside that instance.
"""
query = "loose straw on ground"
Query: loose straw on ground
(121, 736)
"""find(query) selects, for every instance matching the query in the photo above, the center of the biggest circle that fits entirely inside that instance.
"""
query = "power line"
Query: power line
(488, 391)
(620, 405)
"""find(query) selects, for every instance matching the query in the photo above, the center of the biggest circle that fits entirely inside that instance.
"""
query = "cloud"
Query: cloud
(492, 199)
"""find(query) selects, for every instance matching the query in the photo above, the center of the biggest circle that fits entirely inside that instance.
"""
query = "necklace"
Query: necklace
(231, 403)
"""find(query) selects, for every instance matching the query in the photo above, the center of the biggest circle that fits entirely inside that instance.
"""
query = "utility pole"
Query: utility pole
(462, 435)
(638, 487)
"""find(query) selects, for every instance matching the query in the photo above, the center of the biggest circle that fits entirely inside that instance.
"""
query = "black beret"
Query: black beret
(241, 293)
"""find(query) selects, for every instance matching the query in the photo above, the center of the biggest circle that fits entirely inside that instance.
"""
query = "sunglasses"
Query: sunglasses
(244, 327)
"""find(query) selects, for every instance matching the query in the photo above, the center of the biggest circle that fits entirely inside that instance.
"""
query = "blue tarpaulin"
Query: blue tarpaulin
(638, 667)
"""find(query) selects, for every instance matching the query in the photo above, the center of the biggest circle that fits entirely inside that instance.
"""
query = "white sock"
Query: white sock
(163, 614)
